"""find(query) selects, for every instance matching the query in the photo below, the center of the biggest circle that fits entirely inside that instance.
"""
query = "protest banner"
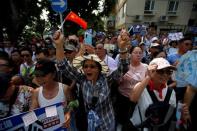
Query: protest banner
(46, 118)
(175, 36)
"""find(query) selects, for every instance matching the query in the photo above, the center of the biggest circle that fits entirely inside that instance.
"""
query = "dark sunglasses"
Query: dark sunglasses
(165, 71)
(68, 51)
(73, 42)
(188, 44)
(25, 55)
(90, 66)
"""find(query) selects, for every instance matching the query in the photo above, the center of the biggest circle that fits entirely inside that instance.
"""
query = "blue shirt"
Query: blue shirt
(134, 43)
(173, 58)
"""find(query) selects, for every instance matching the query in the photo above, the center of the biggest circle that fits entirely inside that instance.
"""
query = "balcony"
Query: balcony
(149, 12)
(172, 13)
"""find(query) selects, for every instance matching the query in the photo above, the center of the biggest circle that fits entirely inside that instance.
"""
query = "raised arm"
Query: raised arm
(123, 45)
(139, 87)
(62, 64)
(58, 39)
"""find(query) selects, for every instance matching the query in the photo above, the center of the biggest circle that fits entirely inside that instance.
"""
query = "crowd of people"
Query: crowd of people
(120, 83)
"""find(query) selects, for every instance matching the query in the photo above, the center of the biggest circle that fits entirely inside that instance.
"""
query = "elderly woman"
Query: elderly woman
(156, 102)
(94, 84)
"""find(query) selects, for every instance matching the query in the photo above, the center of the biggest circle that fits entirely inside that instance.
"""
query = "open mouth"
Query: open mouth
(89, 74)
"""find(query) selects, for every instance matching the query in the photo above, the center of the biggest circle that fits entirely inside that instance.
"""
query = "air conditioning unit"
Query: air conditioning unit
(138, 17)
(163, 18)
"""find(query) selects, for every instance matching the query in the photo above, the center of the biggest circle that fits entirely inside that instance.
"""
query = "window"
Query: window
(194, 7)
(149, 6)
(123, 10)
(172, 7)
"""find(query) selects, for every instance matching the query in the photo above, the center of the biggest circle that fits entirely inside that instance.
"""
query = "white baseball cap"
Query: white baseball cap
(154, 45)
(154, 39)
(161, 63)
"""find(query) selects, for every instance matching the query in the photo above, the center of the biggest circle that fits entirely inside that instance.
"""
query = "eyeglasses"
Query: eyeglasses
(25, 55)
(73, 42)
(188, 44)
(90, 66)
(99, 48)
(137, 53)
(165, 71)
(68, 51)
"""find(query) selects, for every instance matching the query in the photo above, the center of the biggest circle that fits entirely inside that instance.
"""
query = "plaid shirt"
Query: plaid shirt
(103, 106)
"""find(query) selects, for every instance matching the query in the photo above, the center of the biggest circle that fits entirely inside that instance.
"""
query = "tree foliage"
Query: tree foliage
(20, 15)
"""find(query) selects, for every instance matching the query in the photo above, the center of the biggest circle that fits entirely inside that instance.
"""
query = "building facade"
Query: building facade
(168, 15)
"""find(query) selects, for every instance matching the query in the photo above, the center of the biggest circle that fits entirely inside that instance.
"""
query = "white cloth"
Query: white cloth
(111, 63)
(60, 97)
(117, 58)
(144, 102)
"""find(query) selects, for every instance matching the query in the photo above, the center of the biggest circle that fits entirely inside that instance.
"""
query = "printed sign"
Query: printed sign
(36, 120)
(175, 36)
(139, 29)
(59, 6)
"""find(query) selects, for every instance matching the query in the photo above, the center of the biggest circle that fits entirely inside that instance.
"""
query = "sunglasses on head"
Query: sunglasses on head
(89, 66)
(165, 71)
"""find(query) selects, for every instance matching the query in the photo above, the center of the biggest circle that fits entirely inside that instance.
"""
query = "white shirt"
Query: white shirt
(60, 97)
(144, 102)
(111, 63)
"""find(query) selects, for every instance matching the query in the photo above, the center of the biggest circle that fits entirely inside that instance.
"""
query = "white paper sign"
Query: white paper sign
(175, 36)
(29, 118)
(51, 111)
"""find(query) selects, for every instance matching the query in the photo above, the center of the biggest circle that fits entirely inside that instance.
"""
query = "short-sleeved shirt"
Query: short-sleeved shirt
(173, 58)
(23, 100)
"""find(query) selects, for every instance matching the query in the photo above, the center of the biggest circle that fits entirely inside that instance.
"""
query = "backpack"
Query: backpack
(159, 113)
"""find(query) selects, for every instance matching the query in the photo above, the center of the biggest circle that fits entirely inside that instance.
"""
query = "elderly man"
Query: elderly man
(102, 54)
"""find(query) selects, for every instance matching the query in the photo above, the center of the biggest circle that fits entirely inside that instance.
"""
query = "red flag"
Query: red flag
(75, 18)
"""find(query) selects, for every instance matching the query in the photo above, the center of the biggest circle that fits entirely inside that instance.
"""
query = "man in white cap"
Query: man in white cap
(153, 50)
(70, 52)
